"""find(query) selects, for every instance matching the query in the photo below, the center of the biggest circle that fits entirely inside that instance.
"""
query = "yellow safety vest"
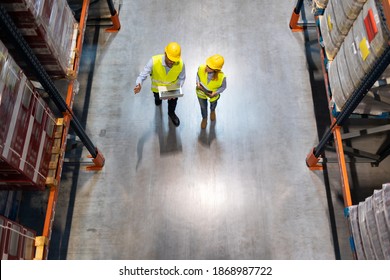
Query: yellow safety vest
(212, 86)
(159, 75)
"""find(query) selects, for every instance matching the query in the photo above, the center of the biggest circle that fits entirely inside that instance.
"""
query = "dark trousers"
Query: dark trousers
(171, 103)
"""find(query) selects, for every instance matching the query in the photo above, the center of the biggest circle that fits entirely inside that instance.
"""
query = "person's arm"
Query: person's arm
(198, 85)
(182, 76)
(145, 73)
(222, 87)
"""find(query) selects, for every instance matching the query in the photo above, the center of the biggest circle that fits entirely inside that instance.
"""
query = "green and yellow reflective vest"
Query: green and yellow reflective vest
(159, 75)
(211, 86)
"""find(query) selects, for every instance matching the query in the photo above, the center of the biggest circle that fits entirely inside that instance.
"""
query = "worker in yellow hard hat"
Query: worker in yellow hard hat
(210, 83)
(165, 70)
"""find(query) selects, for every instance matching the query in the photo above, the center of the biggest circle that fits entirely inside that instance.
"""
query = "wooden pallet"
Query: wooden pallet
(51, 180)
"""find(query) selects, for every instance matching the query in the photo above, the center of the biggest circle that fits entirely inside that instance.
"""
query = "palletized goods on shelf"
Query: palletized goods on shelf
(336, 22)
(26, 129)
(370, 224)
(365, 42)
(49, 28)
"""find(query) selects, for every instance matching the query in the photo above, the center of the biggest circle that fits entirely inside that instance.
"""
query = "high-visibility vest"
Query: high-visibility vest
(212, 86)
(159, 75)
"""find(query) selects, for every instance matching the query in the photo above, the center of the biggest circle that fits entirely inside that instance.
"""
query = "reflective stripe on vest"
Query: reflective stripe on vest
(212, 86)
(159, 75)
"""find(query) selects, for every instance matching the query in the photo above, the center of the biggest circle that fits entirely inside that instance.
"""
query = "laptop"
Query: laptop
(172, 91)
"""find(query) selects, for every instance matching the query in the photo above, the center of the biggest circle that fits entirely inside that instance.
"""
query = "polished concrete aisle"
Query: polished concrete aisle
(239, 189)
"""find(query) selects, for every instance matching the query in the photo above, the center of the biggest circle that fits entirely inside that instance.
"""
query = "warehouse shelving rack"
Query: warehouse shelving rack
(315, 156)
(68, 120)
(315, 159)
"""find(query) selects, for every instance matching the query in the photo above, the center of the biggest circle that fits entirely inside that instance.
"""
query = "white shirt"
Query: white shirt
(148, 70)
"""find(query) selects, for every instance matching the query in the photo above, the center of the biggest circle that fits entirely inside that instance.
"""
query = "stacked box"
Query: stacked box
(26, 132)
(10, 79)
(16, 241)
(48, 26)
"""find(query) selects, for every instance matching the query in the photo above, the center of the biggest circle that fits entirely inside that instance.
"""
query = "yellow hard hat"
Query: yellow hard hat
(173, 51)
(215, 62)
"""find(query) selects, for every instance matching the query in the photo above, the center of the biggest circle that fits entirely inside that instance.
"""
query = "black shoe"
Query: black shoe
(174, 119)
(157, 102)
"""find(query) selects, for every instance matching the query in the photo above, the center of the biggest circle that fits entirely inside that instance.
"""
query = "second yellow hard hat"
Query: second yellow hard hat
(215, 62)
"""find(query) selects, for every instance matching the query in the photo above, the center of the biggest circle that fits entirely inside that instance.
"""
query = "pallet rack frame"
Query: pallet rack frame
(116, 25)
(65, 106)
(372, 78)
(316, 154)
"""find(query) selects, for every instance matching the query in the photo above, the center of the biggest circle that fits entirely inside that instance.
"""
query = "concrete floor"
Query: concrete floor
(239, 189)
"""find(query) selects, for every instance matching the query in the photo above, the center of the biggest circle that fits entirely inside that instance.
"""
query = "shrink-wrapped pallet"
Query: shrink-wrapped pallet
(377, 35)
(352, 8)
(366, 57)
(362, 47)
(386, 202)
(344, 73)
(326, 24)
(354, 224)
(343, 23)
(380, 219)
(337, 21)
(10, 80)
(26, 132)
(334, 80)
(370, 35)
(3, 57)
(373, 229)
(370, 104)
(353, 59)
(328, 29)
(369, 252)
(49, 28)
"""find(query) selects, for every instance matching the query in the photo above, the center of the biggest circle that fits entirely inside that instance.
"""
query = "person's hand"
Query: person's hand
(137, 88)
(201, 88)
(214, 93)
